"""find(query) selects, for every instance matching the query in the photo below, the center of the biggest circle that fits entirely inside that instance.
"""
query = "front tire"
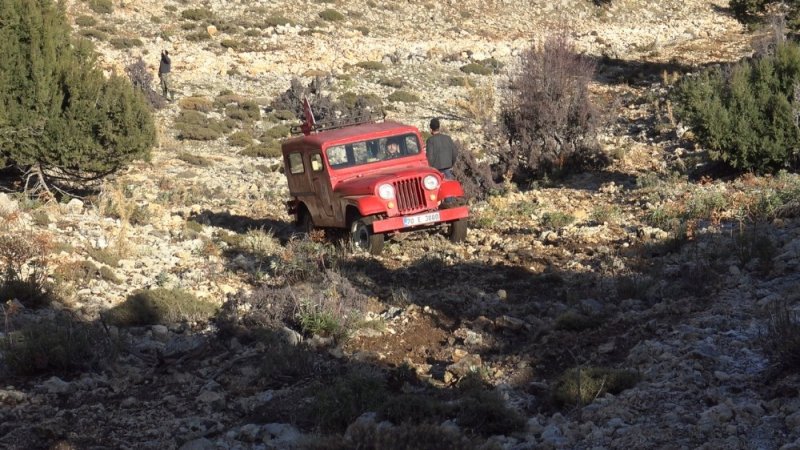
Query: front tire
(458, 230)
(363, 238)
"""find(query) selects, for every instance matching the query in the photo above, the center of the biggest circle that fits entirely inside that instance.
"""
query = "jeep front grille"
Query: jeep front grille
(410, 195)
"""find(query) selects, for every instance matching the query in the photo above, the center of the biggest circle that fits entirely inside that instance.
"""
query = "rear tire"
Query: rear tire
(363, 238)
(458, 230)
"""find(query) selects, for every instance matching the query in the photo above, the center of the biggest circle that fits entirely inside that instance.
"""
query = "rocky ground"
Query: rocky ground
(553, 276)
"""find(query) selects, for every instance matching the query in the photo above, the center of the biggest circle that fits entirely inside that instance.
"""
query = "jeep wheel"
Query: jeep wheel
(363, 238)
(305, 222)
(458, 230)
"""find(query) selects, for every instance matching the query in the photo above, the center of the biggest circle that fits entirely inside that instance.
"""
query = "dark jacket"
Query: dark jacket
(441, 151)
(166, 64)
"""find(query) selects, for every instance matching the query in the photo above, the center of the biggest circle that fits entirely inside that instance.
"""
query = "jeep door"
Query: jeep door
(326, 203)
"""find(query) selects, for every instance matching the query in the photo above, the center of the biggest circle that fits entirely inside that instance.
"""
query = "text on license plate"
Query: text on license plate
(420, 219)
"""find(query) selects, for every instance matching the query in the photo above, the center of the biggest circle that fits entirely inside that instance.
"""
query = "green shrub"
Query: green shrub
(240, 139)
(745, 114)
(396, 83)
(101, 6)
(92, 33)
(575, 321)
(364, 30)
(106, 256)
(196, 14)
(58, 345)
(68, 120)
(275, 20)
(460, 82)
(194, 160)
(277, 132)
(581, 386)
(557, 219)
(340, 402)
(196, 104)
(124, 42)
(284, 114)
(371, 65)
(231, 43)
(198, 133)
(159, 306)
(197, 36)
(331, 15)
(403, 97)
(476, 69)
(268, 149)
(85, 21)
(247, 110)
(486, 413)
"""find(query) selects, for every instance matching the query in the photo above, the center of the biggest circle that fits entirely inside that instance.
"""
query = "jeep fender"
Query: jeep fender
(450, 188)
(367, 205)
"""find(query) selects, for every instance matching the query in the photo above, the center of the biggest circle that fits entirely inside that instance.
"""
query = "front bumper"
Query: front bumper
(397, 223)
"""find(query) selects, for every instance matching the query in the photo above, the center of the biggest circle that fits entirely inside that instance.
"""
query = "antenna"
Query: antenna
(309, 123)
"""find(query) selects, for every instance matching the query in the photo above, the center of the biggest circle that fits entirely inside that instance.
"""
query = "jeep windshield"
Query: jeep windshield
(373, 150)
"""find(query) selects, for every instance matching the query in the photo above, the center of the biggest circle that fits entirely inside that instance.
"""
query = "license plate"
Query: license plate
(420, 219)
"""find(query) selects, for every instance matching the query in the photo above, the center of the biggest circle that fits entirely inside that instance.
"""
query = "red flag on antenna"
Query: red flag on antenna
(309, 121)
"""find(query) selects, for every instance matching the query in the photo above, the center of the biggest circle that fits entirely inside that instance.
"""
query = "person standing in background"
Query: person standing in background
(441, 150)
(164, 70)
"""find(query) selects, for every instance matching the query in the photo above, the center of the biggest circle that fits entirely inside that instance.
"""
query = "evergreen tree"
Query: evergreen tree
(61, 119)
(747, 114)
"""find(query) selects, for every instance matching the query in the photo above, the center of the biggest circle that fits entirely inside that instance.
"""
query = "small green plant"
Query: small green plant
(198, 36)
(580, 386)
(476, 69)
(91, 33)
(107, 256)
(268, 149)
(196, 14)
(85, 21)
(461, 82)
(371, 65)
(159, 306)
(194, 160)
(275, 20)
(240, 139)
(403, 97)
(396, 83)
(101, 6)
(331, 15)
(557, 219)
(124, 42)
(575, 321)
(606, 214)
(232, 43)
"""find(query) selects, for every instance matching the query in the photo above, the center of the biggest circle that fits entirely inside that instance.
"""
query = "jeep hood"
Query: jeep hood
(365, 184)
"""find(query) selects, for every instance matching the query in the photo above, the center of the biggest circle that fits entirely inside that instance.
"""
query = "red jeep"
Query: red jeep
(371, 178)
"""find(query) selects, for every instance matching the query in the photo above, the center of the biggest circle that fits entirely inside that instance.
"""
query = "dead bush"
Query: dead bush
(580, 386)
(475, 177)
(142, 79)
(24, 277)
(549, 120)
(60, 344)
(782, 339)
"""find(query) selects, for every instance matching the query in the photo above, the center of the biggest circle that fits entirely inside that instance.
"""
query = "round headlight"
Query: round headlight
(386, 191)
(430, 182)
